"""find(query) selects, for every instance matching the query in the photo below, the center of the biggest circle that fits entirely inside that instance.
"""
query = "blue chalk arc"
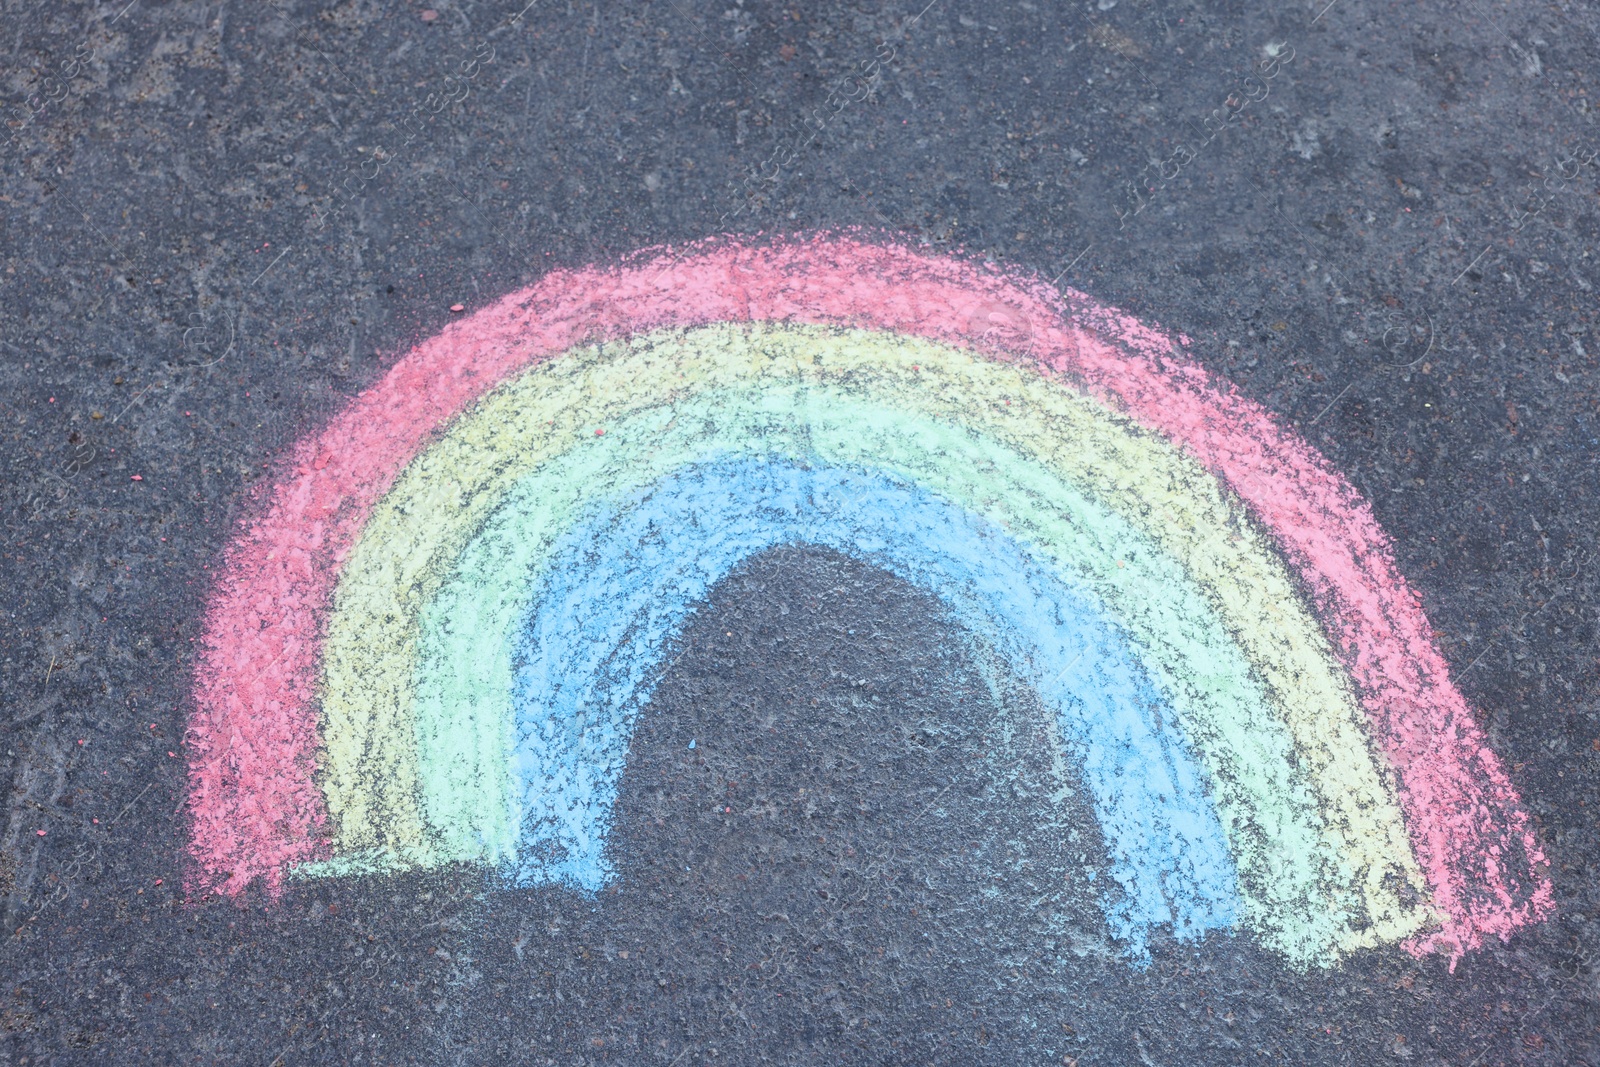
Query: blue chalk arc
(622, 581)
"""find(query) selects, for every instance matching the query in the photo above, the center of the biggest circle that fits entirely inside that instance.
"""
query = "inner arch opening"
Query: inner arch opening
(903, 854)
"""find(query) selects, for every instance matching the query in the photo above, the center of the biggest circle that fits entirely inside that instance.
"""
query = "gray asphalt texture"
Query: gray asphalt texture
(1395, 250)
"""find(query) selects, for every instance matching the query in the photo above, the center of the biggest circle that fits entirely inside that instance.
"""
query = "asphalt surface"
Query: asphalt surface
(1394, 250)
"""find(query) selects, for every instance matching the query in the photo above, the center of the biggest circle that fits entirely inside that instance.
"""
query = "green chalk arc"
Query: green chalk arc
(883, 409)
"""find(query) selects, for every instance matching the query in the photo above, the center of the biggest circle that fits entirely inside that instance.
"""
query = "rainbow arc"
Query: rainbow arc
(432, 645)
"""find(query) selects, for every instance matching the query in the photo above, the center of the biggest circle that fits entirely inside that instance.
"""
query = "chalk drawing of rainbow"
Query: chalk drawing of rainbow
(430, 644)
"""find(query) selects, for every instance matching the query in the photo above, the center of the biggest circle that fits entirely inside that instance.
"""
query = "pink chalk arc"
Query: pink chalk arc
(253, 739)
